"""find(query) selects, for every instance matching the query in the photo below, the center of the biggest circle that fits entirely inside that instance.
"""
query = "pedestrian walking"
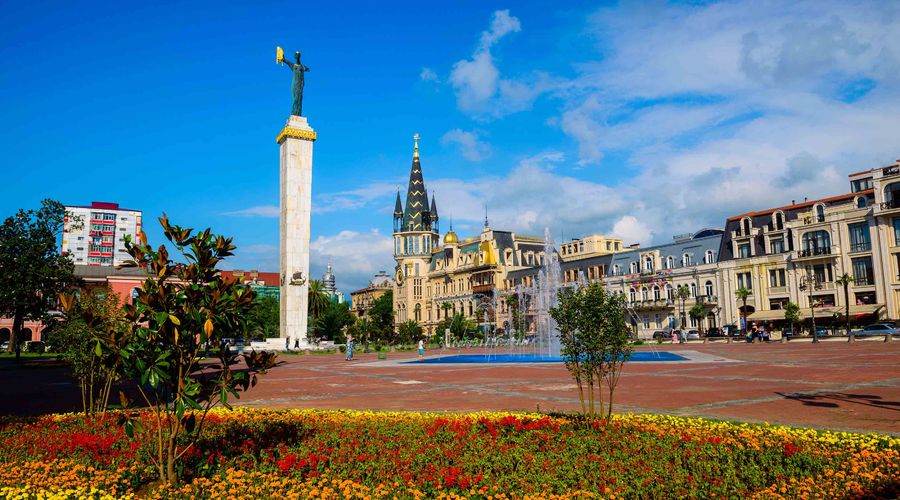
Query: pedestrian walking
(683, 335)
(674, 336)
(287, 343)
(421, 349)
(349, 347)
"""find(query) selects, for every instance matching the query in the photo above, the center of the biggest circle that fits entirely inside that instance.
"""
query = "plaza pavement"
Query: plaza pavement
(833, 385)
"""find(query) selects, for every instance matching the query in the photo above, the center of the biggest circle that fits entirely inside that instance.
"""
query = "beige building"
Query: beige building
(363, 299)
(797, 253)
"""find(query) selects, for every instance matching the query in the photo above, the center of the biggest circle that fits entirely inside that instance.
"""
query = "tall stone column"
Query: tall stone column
(296, 141)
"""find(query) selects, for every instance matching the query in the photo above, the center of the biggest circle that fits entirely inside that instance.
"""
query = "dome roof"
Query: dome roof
(450, 238)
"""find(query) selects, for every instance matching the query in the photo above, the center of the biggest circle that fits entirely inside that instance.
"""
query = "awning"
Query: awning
(861, 310)
(805, 313)
(770, 315)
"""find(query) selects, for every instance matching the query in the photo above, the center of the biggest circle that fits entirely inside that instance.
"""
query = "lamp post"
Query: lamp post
(811, 284)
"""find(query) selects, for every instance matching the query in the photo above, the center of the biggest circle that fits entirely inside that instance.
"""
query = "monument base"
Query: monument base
(278, 344)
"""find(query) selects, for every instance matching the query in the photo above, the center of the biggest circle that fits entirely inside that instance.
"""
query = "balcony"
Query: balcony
(486, 288)
(890, 206)
(816, 253)
(651, 304)
(707, 299)
(864, 281)
(778, 290)
(861, 247)
(814, 219)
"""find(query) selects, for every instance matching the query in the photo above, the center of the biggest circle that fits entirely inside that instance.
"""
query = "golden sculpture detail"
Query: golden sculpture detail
(298, 133)
(279, 55)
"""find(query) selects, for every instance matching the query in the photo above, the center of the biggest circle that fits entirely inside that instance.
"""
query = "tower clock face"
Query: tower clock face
(399, 277)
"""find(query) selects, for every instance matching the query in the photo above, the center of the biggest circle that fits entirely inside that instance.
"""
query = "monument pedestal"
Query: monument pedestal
(296, 157)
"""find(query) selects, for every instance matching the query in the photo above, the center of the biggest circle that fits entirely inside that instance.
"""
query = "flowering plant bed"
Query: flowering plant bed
(342, 454)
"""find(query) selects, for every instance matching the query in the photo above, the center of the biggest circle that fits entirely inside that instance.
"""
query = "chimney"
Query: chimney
(793, 202)
(805, 199)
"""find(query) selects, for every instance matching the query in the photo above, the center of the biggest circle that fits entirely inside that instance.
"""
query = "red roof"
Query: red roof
(269, 279)
(805, 204)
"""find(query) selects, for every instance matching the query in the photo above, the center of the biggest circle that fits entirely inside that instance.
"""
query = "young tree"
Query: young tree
(844, 280)
(594, 339)
(697, 312)
(32, 270)
(682, 293)
(742, 294)
(318, 302)
(792, 315)
(89, 339)
(180, 307)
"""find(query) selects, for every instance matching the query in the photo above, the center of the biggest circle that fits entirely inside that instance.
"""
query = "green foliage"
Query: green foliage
(318, 300)
(264, 318)
(742, 294)
(594, 340)
(458, 325)
(180, 307)
(518, 320)
(89, 338)
(330, 325)
(381, 318)
(32, 270)
(845, 280)
(409, 332)
(792, 314)
(698, 312)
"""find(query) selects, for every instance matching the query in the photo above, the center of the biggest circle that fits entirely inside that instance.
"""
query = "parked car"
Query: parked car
(693, 335)
(661, 335)
(878, 329)
(821, 331)
(4, 346)
(791, 332)
(714, 332)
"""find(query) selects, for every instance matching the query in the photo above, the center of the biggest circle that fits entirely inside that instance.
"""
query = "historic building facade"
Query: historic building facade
(363, 299)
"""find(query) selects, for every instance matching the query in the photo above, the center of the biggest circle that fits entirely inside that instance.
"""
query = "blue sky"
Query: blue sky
(638, 119)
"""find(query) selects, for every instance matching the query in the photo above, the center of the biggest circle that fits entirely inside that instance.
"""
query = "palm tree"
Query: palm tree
(698, 312)
(742, 294)
(845, 280)
(318, 300)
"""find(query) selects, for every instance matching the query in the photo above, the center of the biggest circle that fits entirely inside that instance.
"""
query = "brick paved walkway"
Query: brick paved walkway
(853, 387)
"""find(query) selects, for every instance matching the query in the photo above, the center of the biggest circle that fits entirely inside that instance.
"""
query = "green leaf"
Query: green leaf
(174, 319)
(97, 350)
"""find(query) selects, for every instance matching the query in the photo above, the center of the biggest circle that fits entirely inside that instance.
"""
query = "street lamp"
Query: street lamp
(811, 283)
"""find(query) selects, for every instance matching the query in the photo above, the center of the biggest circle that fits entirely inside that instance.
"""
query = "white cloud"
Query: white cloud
(355, 256)
(470, 146)
(257, 211)
(502, 24)
(428, 75)
(354, 199)
(631, 230)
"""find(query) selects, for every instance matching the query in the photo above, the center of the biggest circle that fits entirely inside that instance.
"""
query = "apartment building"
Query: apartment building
(94, 235)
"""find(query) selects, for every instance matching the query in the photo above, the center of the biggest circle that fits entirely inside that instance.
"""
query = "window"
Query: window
(670, 261)
(822, 273)
(816, 243)
(648, 264)
(709, 289)
(777, 246)
(744, 251)
(608, 246)
(670, 293)
(745, 226)
(861, 185)
(644, 293)
(632, 295)
(744, 281)
(863, 273)
(859, 237)
(693, 289)
(896, 222)
(820, 213)
(708, 258)
(633, 267)
(616, 270)
(778, 221)
(656, 292)
(892, 195)
(776, 277)
(417, 269)
(686, 260)
(861, 202)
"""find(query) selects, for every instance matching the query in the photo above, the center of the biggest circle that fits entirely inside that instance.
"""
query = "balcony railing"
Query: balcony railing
(814, 252)
(890, 204)
(707, 299)
(861, 247)
(814, 219)
(863, 280)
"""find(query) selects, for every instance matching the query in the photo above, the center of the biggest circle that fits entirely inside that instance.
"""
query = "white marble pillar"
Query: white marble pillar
(296, 141)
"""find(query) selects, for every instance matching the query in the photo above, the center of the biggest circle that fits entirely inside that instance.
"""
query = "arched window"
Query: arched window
(644, 295)
(708, 258)
(817, 243)
(418, 311)
(693, 289)
(892, 195)
(656, 292)
(709, 289)
(616, 270)
(670, 262)
(861, 202)
(778, 220)
(746, 224)
(686, 260)
(633, 267)
(670, 293)
(632, 295)
(648, 264)
(820, 213)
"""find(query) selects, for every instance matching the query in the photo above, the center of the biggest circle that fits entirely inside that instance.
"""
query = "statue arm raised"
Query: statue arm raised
(289, 64)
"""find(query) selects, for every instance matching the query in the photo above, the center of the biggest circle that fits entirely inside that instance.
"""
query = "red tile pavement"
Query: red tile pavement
(831, 385)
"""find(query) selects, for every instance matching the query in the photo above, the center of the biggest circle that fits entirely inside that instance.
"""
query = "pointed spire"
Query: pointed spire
(416, 145)
(486, 225)
(434, 212)
(398, 206)
(416, 216)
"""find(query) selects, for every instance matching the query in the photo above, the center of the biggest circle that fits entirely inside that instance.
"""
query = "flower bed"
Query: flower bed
(342, 454)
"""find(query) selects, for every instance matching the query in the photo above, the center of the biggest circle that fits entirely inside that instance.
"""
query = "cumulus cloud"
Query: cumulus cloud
(257, 211)
(428, 75)
(470, 146)
(355, 256)
(631, 230)
(353, 199)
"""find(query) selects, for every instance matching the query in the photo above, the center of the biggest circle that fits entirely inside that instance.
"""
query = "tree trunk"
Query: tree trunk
(18, 323)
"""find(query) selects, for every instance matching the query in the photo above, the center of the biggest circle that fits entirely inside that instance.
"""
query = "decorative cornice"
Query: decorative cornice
(297, 133)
